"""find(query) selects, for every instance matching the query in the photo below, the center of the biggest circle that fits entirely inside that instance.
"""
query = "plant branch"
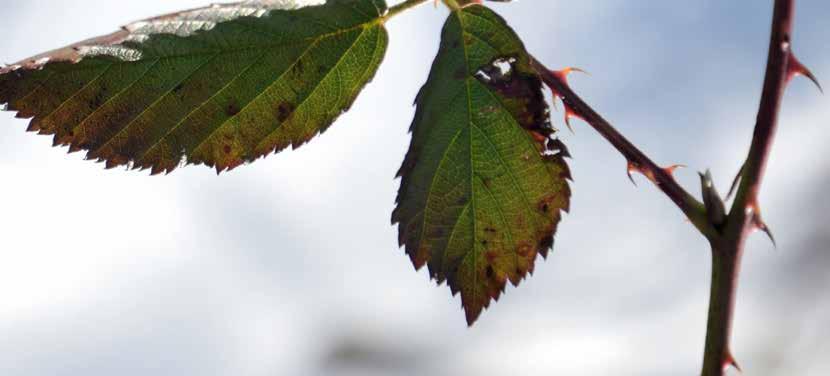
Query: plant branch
(775, 81)
(661, 177)
(402, 7)
(745, 214)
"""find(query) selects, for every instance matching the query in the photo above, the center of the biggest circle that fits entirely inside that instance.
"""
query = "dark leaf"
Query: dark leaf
(484, 183)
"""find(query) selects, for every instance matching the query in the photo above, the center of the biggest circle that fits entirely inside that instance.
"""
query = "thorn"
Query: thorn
(754, 210)
(760, 225)
(735, 182)
(632, 168)
(729, 361)
(795, 68)
(564, 73)
(671, 169)
(569, 113)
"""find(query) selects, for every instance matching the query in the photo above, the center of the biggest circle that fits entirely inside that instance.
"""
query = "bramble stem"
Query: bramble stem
(775, 81)
(726, 264)
(662, 178)
(745, 217)
(404, 6)
(727, 238)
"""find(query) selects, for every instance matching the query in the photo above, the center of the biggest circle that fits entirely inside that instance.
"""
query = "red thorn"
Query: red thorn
(760, 225)
(729, 361)
(564, 73)
(671, 169)
(754, 210)
(569, 113)
(632, 168)
(795, 68)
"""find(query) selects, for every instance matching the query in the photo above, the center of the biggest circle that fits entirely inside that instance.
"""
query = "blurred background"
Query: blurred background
(289, 266)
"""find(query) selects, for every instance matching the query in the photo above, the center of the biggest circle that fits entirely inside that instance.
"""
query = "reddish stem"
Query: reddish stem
(727, 239)
(745, 216)
(661, 177)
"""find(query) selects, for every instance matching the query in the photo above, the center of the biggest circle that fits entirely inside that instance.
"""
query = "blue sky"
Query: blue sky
(289, 266)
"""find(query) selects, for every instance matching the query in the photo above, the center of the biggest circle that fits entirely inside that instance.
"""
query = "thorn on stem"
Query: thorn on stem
(562, 75)
(648, 172)
(758, 223)
(570, 113)
(671, 169)
(735, 182)
(630, 169)
(795, 68)
(729, 361)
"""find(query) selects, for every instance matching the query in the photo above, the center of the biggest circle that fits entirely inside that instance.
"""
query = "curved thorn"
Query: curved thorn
(565, 72)
(671, 169)
(568, 123)
(735, 182)
(569, 113)
(631, 168)
(795, 68)
(760, 225)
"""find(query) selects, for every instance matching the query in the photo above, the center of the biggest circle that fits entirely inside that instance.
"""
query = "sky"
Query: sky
(289, 266)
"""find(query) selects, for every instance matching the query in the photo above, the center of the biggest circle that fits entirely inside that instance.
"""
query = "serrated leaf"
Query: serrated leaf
(220, 86)
(484, 181)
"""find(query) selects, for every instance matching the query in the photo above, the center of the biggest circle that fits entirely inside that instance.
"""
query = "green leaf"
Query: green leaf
(219, 86)
(484, 181)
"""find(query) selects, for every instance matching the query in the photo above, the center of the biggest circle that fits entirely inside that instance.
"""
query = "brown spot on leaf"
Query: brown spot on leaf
(232, 109)
(284, 111)
(548, 201)
(524, 249)
(437, 232)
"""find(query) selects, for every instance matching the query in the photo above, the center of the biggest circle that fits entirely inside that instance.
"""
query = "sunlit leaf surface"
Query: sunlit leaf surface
(219, 86)
(484, 182)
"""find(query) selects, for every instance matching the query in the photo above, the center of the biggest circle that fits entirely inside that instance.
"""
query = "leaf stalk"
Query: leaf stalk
(661, 177)
(401, 7)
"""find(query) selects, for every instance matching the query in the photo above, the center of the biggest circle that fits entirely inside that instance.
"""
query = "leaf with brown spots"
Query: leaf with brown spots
(220, 86)
(484, 182)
